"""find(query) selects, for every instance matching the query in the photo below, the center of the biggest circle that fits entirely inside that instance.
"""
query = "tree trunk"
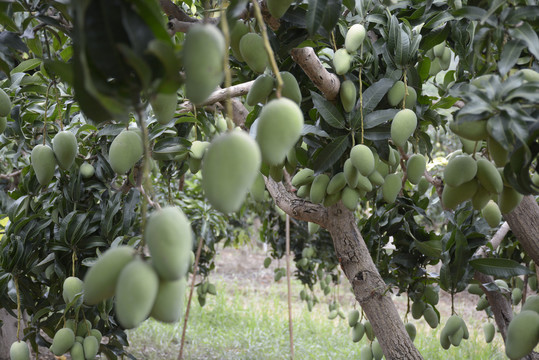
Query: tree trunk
(524, 223)
(499, 304)
(8, 333)
(356, 262)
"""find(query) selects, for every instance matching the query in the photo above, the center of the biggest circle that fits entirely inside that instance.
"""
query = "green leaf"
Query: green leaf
(375, 93)
(500, 268)
(431, 248)
(330, 154)
(331, 14)
(445, 103)
(315, 130)
(526, 33)
(470, 13)
(378, 117)
(26, 65)
(328, 111)
(510, 54)
(315, 15)
(434, 37)
(439, 19)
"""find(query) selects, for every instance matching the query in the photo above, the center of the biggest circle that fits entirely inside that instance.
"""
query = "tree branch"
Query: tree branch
(328, 83)
(524, 223)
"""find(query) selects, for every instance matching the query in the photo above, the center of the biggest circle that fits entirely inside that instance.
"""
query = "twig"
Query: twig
(10, 175)
(495, 241)
(152, 203)
(195, 267)
(220, 95)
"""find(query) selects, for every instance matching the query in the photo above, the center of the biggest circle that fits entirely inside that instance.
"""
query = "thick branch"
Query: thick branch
(173, 11)
(328, 83)
(524, 223)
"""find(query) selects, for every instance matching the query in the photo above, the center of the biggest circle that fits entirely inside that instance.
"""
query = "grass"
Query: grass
(250, 322)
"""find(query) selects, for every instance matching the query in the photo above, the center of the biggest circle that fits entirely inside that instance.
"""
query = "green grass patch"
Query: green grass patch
(247, 322)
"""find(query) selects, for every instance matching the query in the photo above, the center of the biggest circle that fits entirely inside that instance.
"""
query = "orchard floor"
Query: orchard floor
(248, 319)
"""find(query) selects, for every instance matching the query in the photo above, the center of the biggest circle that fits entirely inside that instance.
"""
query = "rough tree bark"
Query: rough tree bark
(356, 262)
(8, 333)
(524, 223)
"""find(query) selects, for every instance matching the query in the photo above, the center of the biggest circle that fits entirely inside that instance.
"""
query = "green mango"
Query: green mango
(168, 305)
(203, 52)
(480, 198)
(77, 351)
(91, 347)
(362, 159)
(237, 155)
(304, 191)
(491, 213)
(418, 308)
(330, 200)
(100, 280)
(63, 341)
(482, 304)
(290, 88)
(83, 328)
(126, 149)
(168, 236)
(471, 130)
(366, 353)
(43, 163)
(516, 296)
(351, 173)
(135, 293)
(395, 95)
(411, 330)
(97, 334)
(377, 350)
(350, 198)
(64, 145)
(336, 184)
(431, 317)
(303, 177)
(438, 50)
(410, 99)
(368, 331)
(253, 52)
(532, 303)
(453, 324)
(279, 128)
(445, 59)
(415, 168)
(422, 186)
(260, 90)
(198, 149)
(164, 106)
(431, 295)
(239, 29)
(489, 177)
(376, 178)
(391, 187)
(258, 189)
(358, 331)
(5, 104)
(354, 38)
(475, 289)
(489, 330)
(509, 199)
(403, 126)
(19, 350)
(348, 95)
(353, 317)
(453, 196)
(459, 170)
(456, 338)
(71, 287)
(342, 61)
(3, 124)
(319, 188)
(522, 334)
(87, 170)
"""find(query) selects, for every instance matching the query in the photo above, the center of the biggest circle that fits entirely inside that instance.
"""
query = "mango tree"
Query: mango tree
(116, 120)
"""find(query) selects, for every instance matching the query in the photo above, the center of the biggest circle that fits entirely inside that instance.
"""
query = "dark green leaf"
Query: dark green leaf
(375, 93)
(445, 103)
(330, 154)
(434, 37)
(315, 15)
(331, 14)
(432, 248)
(315, 130)
(526, 33)
(500, 268)
(510, 54)
(331, 115)
(378, 117)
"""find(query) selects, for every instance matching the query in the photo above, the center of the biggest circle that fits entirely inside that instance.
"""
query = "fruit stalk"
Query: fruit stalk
(360, 100)
(267, 46)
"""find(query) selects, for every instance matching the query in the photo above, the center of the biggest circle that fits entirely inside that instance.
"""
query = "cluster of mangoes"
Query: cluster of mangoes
(145, 288)
(311, 299)
(342, 59)
(203, 289)
(454, 331)
(481, 182)
(359, 329)
(264, 88)
(523, 330)
(5, 109)
(44, 158)
(248, 47)
(424, 307)
(440, 56)
(79, 339)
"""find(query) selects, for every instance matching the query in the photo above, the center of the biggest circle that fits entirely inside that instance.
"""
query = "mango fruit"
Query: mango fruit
(376, 179)
(377, 352)
(332, 199)
(480, 198)
(71, 287)
(63, 341)
(415, 168)
(471, 130)
(100, 280)
(64, 145)
(19, 350)
(77, 351)
(83, 328)
(491, 213)
(238, 30)
(366, 353)
(509, 199)
(445, 59)
(363, 184)
(532, 303)
(303, 177)
(198, 149)
(403, 126)
(135, 293)
(456, 338)
(489, 177)
(391, 187)
(319, 188)
(87, 170)
(454, 195)
(522, 334)
(203, 52)
(168, 304)
(489, 331)
(351, 173)
(43, 163)
(97, 334)
(342, 61)
(362, 159)
(260, 90)
(258, 188)
(353, 317)
(277, 8)
(276, 172)
(169, 238)
(304, 191)
(126, 149)
(336, 184)
(358, 331)
(5, 104)
(411, 330)
(395, 95)
(290, 88)
(422, 186)
(350, 198)
(354, 37)
(348, 95)
(468, 146)
(90, 346)
(410, 100)
(279, 128)
(417, 309)
(368, 330)
(164, 106)
(3, 124)
(460, 170)
(253, 52)
(239, 156)
(453, 324)
(516, 296)
(431, 295)
(431, 317)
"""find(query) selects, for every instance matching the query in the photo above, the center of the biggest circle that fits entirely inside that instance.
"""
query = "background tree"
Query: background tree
(92, 68)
